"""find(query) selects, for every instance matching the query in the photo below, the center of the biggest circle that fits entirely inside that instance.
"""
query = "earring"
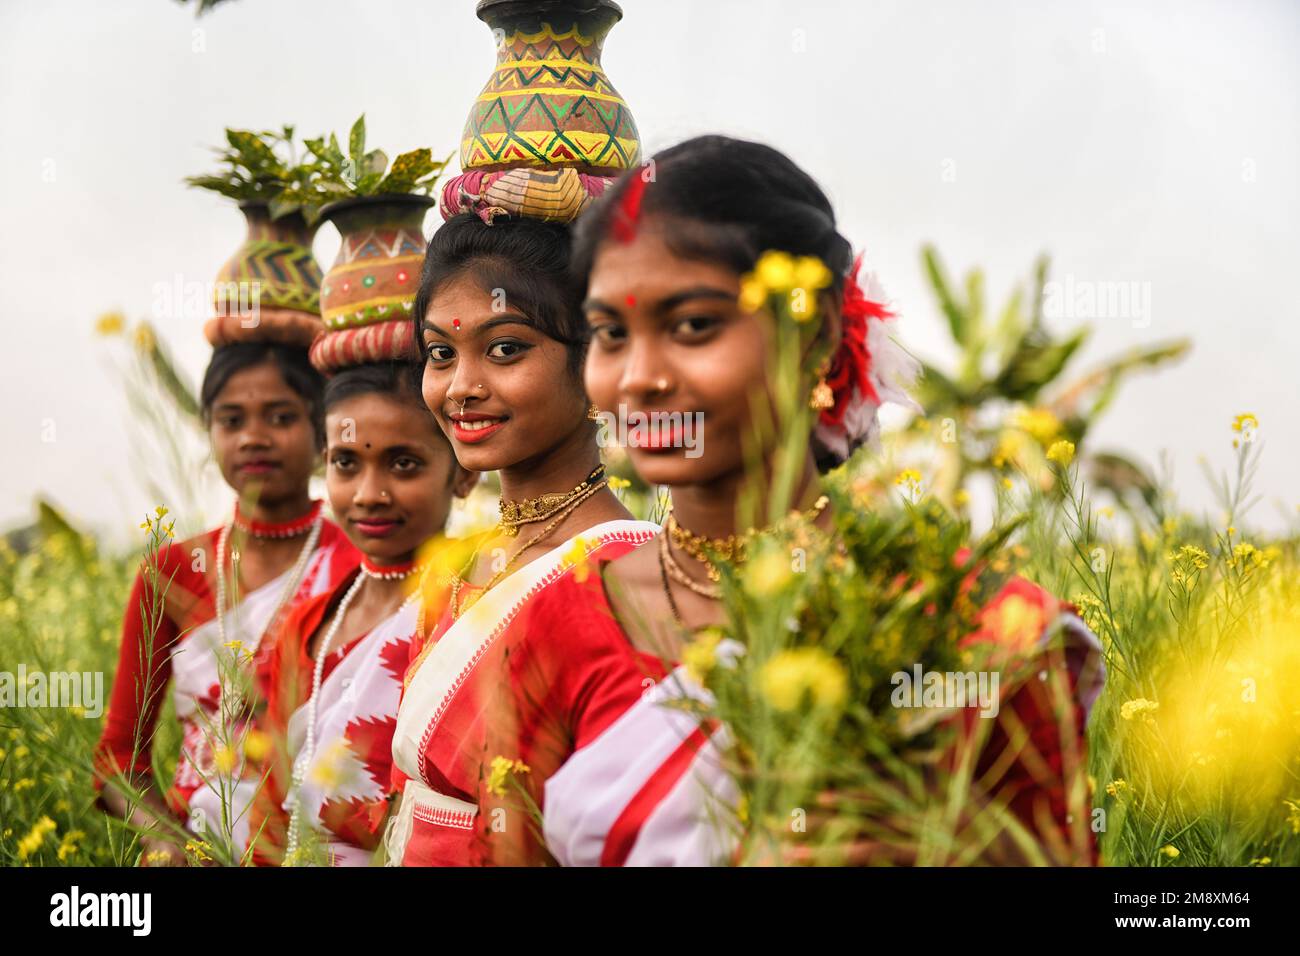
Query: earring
(593, 413)
(822, 397)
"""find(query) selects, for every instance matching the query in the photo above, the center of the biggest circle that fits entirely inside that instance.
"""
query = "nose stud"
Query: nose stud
(661, 385)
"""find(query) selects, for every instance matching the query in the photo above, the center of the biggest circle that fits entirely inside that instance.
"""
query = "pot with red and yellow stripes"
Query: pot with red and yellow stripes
(367, 294)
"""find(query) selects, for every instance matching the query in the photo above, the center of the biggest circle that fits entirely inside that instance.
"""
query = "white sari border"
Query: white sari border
(448, 665)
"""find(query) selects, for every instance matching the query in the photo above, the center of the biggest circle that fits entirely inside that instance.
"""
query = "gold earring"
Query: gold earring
(593, 413)
(822, 396)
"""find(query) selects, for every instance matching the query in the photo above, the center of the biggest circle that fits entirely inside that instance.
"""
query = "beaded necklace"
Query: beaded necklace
(367, 571)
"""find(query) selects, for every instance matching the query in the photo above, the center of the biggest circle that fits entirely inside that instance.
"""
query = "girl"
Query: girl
(334, 677)
(221, 591)
(499, 323)
(624, 779)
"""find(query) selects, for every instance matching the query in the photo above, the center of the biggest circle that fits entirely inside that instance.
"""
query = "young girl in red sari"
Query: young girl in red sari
(620, 774)
(334, 676)
(499, 323)
(222, 590)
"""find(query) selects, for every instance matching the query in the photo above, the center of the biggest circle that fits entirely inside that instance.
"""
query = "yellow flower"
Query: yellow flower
(767, 574)
(1116, 787)
(1061, 452)
(1170, 851)
(1006, 483)
(1245, 422)
(1140, 707)
(161, 511)
(811, 273)
(156, 857)
(224, 759)
(1039, 423)
(198, 850)
(1106, 512)
(962, 498)
(618, 484)
(26, 783)
(68, 846)
(776, 270)
(753, 294)
(21, 751)
(577, 556)
(1261, 861)
(790, 674)
(35, 837)
(145, 340)
(701, 655)
(803, 304)
(256, 745)
(908, 476)
(328, 772)
(1293, 815)
(110, 323)
(501, 769)
(1248, 556)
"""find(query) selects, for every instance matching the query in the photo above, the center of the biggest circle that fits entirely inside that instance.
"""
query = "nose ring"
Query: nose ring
(661, 385)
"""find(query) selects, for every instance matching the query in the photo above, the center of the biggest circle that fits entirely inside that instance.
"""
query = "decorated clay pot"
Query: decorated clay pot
(270, 288)
(549, 130)
(366, 296)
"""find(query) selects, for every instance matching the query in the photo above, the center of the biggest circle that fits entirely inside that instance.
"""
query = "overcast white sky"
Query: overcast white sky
(1149, 142)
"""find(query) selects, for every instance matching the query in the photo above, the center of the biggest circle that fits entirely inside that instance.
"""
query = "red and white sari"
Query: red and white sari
(183, 650)
(451, 718)
(643, 783)
(345, 788)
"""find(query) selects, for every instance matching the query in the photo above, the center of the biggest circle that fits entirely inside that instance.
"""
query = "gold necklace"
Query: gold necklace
(458, 580)
(517, 513)
(731, 549)
(669, 565)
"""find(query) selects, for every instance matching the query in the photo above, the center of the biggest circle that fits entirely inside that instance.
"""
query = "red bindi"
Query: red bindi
(455, 324)
(631, 301)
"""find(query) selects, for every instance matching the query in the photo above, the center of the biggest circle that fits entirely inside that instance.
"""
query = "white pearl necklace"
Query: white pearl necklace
(309, 743)
(295, 578)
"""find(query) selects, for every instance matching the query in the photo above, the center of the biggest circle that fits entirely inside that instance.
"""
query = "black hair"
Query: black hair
(294, 367)
(729, 201)
(527, 259)
(399, 379)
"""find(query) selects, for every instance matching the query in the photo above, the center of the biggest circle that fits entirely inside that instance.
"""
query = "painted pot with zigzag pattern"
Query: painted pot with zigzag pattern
(548, 102)
(269, 290)
(367, 294)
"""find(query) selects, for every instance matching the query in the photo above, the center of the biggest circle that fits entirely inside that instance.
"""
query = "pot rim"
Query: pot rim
(487, 8)
(329, 210)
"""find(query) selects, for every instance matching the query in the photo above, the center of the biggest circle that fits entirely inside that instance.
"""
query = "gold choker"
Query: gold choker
(731, 549)
(514, 514)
